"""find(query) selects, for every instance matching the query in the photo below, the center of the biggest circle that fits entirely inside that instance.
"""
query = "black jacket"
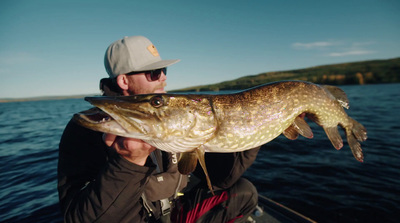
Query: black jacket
(96, 184)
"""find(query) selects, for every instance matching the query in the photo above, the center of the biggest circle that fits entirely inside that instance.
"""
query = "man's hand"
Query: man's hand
(134, 150)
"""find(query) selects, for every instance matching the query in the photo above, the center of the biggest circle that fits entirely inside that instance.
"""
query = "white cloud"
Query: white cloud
(337, 48)
(313, 45)
(350, 53)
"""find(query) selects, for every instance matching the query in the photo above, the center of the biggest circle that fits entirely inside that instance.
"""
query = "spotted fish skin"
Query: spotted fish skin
(228, 122)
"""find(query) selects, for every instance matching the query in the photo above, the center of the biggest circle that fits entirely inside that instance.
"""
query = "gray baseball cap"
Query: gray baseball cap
(134, 53)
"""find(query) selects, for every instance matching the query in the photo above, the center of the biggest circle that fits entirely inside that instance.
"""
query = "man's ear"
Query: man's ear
(122, 81)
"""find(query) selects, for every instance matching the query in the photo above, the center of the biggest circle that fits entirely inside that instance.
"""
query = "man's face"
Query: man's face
(138, 84)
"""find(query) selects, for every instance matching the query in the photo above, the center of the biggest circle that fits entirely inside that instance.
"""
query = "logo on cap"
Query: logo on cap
(153, 50)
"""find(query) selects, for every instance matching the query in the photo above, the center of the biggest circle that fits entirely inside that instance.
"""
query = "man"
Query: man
(107, 178)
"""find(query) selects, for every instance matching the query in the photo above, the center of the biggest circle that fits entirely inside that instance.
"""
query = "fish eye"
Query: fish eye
(157, 101)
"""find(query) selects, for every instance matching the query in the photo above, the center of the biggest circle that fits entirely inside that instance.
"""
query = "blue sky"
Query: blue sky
(50, 47)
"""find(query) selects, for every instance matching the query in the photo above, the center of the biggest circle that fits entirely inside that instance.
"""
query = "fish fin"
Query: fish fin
(302, 127)
(334, 136)
(359, 131)
(339, 95)
(202, 161)
(291, 133)
(355, 147)
(187, 162)
(356, 134)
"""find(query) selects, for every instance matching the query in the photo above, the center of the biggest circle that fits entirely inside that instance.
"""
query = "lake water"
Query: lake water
(307, 175)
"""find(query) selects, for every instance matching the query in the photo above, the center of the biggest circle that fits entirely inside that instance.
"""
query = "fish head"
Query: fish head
(188, 120)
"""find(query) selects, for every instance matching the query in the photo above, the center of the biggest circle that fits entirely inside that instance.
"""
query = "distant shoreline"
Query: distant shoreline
(49, 98)
(43, 98)
(355, 73)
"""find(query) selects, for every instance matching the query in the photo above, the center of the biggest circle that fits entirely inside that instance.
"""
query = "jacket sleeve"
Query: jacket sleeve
(95, 184)
(225, 169)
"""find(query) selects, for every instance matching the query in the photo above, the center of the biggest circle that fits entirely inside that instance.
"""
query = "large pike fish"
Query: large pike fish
(192, 124)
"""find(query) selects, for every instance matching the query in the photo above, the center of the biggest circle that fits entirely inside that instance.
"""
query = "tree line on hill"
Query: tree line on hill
(366, 72)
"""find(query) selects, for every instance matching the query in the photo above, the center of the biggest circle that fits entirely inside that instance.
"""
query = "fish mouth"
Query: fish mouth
(113, 115)
(94, 116)
(98, 120)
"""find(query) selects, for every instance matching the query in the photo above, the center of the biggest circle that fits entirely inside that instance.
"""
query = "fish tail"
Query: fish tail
(355, 147)
(359, 130)
(356, 134)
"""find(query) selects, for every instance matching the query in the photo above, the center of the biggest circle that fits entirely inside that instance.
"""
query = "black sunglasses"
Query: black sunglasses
(151, 75)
